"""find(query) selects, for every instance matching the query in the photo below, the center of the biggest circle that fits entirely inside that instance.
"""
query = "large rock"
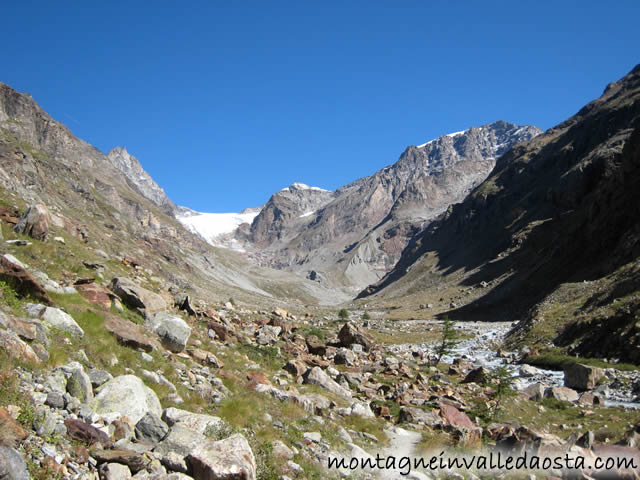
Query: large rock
(534, 392)
(582, 377)
(295, 367)
(180, 440)
(95, 294)
(229, 459)
(129, 334)
(115, 471)
(35, 222)
(350, 334)
(315, 345)
(129, 397)
(417, 415)
(561, 393)
(151, 429)
(344, 356)
(452, 416)
(136, 297)
(198, 422)
(317, 376)
(12, 466)
(478, 375)
(25, 284)
(84, 432)
(26, 329)
(173, 331)
(56, 318)
(16, 348)
(79, 384)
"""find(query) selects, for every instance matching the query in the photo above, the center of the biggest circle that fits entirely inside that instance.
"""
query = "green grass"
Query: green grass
(10, 297)
(558, 361)
(265, 356)
(307, 330)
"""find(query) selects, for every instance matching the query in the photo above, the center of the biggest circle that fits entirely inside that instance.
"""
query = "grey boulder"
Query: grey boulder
(12, 466)
(231, 458)
(137, 297)
(129, 397)
(172, 330)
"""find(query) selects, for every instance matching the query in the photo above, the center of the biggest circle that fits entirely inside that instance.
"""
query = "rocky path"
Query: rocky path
(403, 443)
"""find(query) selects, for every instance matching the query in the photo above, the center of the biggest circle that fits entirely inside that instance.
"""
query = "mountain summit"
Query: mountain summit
(142, 181)
(355, 234)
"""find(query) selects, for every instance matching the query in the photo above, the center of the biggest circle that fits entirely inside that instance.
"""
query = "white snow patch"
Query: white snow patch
(454, 134)
(302, 186)
(210, 226)
(307, 214)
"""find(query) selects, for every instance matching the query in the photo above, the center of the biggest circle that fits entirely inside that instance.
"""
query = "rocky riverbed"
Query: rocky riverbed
(482, 346)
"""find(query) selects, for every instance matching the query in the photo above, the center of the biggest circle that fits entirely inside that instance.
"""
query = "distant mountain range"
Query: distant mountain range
(351, 237)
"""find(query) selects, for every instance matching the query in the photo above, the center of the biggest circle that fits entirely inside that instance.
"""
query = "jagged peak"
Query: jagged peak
(119, 150)
(494, 125)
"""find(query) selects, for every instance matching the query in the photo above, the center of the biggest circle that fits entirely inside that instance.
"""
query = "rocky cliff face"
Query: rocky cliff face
(283, 209)
(557, 211)
(354, 235)
(142, 181)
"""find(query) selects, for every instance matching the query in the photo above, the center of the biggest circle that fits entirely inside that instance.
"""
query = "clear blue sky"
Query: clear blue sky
(226, 102)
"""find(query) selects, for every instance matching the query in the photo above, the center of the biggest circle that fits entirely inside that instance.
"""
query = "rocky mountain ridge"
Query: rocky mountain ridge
(88, 195)
(354, 235)
(130, 166)
(551, 237)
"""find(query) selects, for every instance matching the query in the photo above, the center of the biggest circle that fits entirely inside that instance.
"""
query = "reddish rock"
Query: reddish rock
(131, 262)
(382, 411)
(222, 332)
(129, 334)
(83, 432)
(52, 467)
(349, 334)
(133, 460)
(499, 431)
(25, 329)
(9, 215)
(82, 454)
(95, 294)
(22, 281)
(16, 348)
(452, 416)
(296, 368)
(280, 322)
(257, 378)
(315, 345)
(123, 428)
(12, 433)
(588, 398)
